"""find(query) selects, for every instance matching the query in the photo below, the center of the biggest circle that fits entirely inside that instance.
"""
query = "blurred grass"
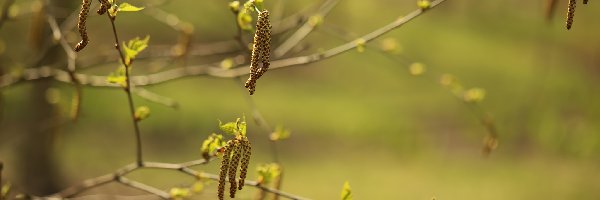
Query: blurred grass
(360, 116)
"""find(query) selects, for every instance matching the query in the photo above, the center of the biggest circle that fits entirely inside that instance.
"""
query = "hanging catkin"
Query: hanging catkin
(570, 13)
(233, 165)
(261, 50)
(245, 161)
(224, 169)
(104, 5)
(85, 8)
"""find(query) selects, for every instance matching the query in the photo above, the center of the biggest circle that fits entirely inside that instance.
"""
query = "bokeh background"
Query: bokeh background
(358, 117)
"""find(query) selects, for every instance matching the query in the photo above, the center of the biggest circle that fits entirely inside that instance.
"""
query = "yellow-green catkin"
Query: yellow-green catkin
(261, 50)
(233, 165)
(246, 148)
(570, 13)
(83, 13)
(224, 170)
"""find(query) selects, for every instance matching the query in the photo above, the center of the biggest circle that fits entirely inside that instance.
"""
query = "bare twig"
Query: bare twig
(143, 187)
(156, 98)
(301, 33)
(119, 176)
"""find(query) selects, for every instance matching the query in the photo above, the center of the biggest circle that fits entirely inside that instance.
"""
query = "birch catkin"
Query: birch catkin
(85, 9)
(244, 162)
(224, 170)
(261, 50)
(570, 13)
(233, 165)
(104, 6)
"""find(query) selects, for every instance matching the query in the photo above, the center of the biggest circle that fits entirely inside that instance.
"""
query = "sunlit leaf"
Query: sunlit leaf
(126, 7)
(142, 113)
(346, 192)
(416, 69)
(134, 47)
(280, 133)
(179, 193)
(268, 172)
(211, 145)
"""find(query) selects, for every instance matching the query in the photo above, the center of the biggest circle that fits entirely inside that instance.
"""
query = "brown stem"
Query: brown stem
(212, 69)
(138, 137)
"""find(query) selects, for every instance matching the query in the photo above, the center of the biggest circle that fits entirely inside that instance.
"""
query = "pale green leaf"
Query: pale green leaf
(126, 7)
(142, 113)
(346, 192)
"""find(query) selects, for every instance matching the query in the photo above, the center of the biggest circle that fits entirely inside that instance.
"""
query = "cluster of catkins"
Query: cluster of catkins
(83, 14)
(261, 50)
(235, 152)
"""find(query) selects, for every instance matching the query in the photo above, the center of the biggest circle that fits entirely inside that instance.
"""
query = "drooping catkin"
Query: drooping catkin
(104, 6)
(83, 13)
(570, 13)
(233, 165)
(224, 169)
(265, 44)
(261, 50)
(245, 161)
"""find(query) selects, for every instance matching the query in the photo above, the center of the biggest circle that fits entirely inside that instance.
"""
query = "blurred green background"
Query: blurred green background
(358, 117)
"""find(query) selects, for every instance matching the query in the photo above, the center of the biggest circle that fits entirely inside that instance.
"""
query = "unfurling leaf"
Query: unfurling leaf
(234, 6)
(179, 193)
(474, 95)
(118, 77)
(268, 172)
(142, 113)
(346, 192)
(198, 187)
(424, 4)
(360, 45)
(126, 7)
(210, 146)
(280, 133)
(134, 47)
(235, 128)
(417, 69)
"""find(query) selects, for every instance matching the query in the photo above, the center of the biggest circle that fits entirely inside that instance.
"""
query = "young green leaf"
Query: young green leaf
(126, 7)
(211, 145)
(142, 113)
(179, 193)
(279, 134)
(416, 69)
(346, 192)
(268, 172)
(118, 77)
(424, 4)
(235, 128)
(134, 47)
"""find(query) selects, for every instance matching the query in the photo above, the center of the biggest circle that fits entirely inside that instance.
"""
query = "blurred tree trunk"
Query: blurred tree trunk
(38, 171)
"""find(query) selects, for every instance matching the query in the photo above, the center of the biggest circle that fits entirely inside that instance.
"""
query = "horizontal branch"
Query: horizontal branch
(119, 177)
(205, 69)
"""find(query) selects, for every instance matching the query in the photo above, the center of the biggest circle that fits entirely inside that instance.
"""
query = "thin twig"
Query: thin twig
(206, 69)
(303, 31)
(143, 187)
(156, 98)
(119, 176)
(138, 137)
